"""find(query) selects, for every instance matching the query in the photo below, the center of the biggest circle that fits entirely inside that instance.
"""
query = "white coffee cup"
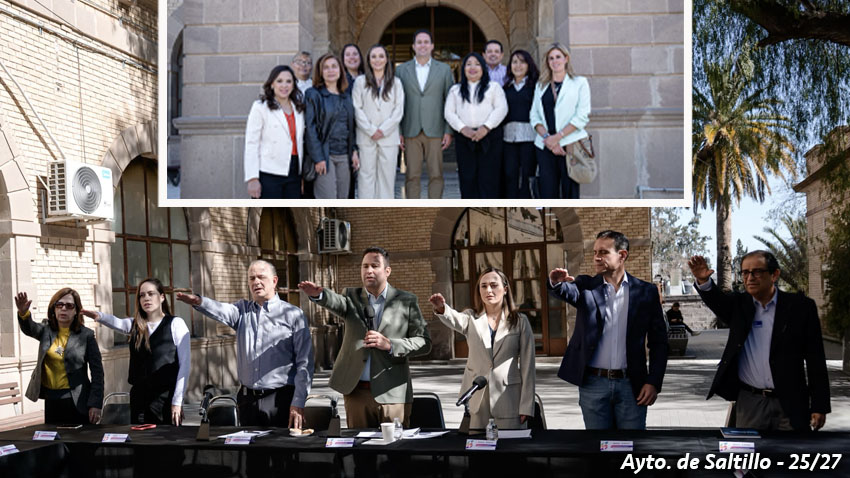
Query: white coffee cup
(387, 430)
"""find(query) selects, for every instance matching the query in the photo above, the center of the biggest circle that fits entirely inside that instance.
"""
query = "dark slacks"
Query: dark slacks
(282, 187)
(479, 165)
(555, 183)
(59, 408)
(519, 167)
(265, 411)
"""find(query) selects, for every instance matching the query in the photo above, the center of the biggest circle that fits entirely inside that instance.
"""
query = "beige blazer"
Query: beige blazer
(268, 142)
(373, 113)
(401, 322)
(508, 366)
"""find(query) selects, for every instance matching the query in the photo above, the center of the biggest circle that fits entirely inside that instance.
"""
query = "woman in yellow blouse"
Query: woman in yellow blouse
(66, 350)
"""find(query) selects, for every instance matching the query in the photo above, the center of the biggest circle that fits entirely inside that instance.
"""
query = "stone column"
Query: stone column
(230, 46)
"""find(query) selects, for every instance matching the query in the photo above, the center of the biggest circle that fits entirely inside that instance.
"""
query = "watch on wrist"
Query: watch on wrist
(546, 135)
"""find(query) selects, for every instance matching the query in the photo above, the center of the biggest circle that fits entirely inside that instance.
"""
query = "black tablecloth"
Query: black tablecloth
(173, 447)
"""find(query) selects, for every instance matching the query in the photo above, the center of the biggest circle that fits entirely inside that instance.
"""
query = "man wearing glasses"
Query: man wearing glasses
(771, 334)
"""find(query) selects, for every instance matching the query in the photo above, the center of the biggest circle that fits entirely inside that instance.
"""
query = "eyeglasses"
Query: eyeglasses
(65, 305)
(302, 63)
(756, 273)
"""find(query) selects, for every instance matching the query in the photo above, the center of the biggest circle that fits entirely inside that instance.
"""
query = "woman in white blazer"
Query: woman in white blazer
(274, 139)
(559, 114)
(378, 99)
(501, 348)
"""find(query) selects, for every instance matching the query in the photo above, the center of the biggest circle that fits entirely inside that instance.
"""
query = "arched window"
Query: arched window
(279, 245)
(526, 243)
(150, 241)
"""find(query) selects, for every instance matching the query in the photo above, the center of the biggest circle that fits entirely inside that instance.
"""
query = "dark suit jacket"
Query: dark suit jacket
(796, 338)
(80, 352)
(401, 322)
(645, 323)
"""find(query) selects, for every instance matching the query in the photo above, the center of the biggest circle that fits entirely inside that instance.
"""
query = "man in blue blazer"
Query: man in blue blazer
(606, 357)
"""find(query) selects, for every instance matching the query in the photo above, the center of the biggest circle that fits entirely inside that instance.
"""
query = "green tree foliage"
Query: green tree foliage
(792, 253)
(810, 73)
(738, 140)
(672, 243)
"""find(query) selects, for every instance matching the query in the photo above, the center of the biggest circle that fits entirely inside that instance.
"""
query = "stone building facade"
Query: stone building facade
(819, 213)
(632, 51)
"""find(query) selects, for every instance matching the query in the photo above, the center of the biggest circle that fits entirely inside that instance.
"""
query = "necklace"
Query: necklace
(60, 347)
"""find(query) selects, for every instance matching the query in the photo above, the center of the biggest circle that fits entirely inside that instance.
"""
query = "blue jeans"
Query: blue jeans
(610, 404)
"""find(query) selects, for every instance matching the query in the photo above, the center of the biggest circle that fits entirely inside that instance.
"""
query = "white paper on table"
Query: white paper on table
(411, 433)
(377, 441)
(422, 435)
(503, 434)
(247, 433)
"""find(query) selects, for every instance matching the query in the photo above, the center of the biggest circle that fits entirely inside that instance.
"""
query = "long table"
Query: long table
(547, 453)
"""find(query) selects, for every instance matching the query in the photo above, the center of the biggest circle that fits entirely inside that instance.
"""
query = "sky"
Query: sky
(748, 219)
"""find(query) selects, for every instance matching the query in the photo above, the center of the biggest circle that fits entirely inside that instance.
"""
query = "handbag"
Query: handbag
(581, 161)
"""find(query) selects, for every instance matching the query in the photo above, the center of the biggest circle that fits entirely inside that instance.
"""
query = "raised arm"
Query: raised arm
(227, 314)
(457, 321)
(28, 326)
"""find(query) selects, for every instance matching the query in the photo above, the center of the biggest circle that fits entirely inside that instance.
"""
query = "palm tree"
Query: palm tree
(737, 141)
(792, 254)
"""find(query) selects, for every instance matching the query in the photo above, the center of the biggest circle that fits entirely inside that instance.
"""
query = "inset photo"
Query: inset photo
(453, 100)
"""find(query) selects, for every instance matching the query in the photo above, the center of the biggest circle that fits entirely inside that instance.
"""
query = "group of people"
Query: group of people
(773, 365)
(340, 130)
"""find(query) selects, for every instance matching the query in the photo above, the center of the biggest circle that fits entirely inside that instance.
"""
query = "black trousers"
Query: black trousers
(555, 183)
(519, 167)
(271, 409)
(59, 408)
(479, 165)
(282, 187)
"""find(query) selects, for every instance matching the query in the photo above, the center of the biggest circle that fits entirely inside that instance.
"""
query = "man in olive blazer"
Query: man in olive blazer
(372, 370)
(425, 133)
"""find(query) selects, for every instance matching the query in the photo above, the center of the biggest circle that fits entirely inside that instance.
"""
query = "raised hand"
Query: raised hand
(92, 314)
(310, 288)
(439, 302)
(190, 299)
(558, 275)
(699, 268)
(22, 303)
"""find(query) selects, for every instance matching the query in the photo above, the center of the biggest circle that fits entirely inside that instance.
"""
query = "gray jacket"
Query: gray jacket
(81, 350)
(423, 110)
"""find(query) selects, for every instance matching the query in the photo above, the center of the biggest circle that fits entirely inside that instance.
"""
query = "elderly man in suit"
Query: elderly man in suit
(606, 357)
(383, 329)
(771, 334)
(425, 133)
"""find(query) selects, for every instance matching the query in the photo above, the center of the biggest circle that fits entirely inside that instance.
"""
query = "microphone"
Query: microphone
(369, 316)
(209, 391)
(477, 384)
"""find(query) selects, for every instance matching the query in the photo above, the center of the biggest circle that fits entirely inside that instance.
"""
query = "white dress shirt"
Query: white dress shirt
(490, 112)
(422, 73)
(611, 350)
(304, 85)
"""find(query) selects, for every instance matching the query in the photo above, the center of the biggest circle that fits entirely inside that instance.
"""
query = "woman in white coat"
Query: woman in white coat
(501, 348)
(274, 139)
(378, 99)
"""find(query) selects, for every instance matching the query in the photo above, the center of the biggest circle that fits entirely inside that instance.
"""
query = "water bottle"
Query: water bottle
(492, 430)
(398, 431)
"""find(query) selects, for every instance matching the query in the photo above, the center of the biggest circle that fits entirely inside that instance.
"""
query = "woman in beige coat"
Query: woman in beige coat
(501, 348)
(378, 98)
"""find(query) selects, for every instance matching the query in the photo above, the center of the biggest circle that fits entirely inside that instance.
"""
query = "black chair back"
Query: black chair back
(427, 411)
(222, 412)
(538, 421)
(319, 416)
(114, 412)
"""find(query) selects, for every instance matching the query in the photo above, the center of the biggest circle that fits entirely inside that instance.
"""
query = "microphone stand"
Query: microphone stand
(204, 429)
(464, 424)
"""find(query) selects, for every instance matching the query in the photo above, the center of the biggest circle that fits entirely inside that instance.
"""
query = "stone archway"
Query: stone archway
(386, 11)
(442, 234)
(18, 231)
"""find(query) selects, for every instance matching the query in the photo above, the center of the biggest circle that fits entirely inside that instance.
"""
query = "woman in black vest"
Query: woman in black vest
(520, 163)
(159, 356)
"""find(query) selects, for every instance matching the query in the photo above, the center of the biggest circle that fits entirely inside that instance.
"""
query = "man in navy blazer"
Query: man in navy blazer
(606, 357)
(773, 365)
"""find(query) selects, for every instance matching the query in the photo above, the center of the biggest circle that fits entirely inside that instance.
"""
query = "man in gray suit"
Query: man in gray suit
(424, 131)
(383, 329)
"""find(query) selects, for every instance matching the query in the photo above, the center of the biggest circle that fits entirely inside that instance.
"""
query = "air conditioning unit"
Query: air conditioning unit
(334, 237)
(79, 191)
